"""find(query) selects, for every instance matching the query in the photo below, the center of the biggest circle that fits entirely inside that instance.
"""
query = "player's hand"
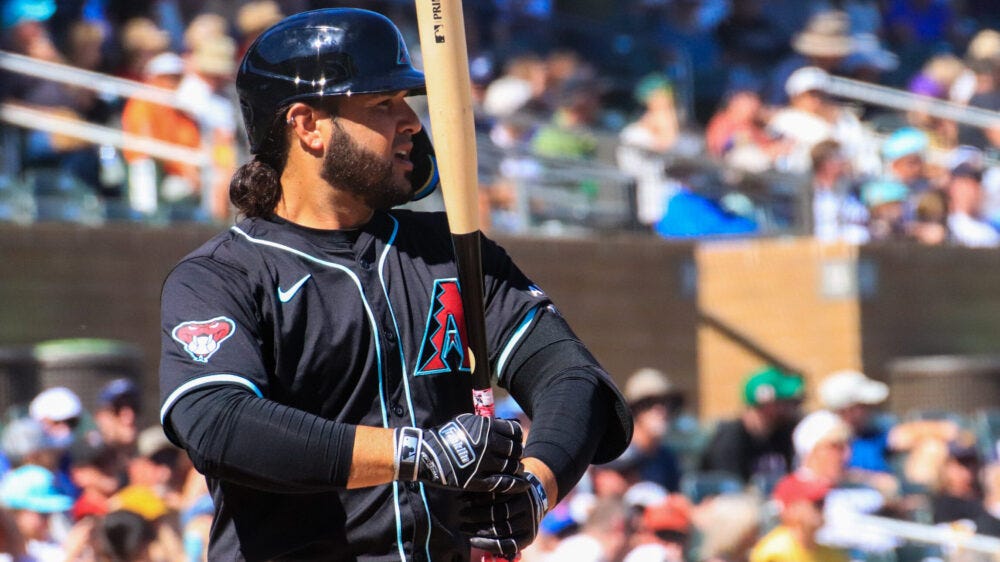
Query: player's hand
(424, 177)
(504, 523)
(470, 452)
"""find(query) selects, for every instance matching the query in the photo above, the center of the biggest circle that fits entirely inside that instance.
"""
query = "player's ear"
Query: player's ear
(303, 121)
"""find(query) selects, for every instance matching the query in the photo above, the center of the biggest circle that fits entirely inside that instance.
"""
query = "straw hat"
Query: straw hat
(141, 34)
(826, 35)
(984, 46)
(204, 28)
(216, 57)
(255, 17)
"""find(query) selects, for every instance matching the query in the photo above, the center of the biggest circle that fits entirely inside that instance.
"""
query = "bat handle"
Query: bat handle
(482, 402)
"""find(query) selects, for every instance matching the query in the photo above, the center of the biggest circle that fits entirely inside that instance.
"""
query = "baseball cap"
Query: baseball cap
(795, 487)
(880, 192)
(164, 64)
(55, 404)
(846, 388)
(904, 142)
(32, 488)
(118, 392)
(647, 383)
(806, 79)
(152, 440)
(771, 384)
(15, 12)
(672, 513)
(23, 437)
(818, 427)
(140, 500)
(967, 170)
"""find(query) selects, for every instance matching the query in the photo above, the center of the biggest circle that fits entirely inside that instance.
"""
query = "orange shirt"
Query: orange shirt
(147, 119)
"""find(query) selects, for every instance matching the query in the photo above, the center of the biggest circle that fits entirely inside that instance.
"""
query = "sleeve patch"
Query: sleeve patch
(202, 338)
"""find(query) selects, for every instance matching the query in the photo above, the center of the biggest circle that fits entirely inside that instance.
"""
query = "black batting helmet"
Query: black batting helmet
(329, 52)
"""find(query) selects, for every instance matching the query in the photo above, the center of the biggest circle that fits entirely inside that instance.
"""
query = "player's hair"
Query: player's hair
(255, 188)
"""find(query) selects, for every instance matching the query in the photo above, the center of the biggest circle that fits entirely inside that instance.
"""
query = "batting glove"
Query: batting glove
(470, 452)
(503, 524)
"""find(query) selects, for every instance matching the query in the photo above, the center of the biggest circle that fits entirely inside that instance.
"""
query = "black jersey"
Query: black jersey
(362, 327)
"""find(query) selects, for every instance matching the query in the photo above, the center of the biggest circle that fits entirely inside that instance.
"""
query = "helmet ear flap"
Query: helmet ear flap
(424, 178)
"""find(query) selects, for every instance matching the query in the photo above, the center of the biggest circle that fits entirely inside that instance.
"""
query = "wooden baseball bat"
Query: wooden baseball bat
(449, 97)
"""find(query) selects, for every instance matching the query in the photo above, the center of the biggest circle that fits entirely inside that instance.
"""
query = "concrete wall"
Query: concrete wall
(707, 314)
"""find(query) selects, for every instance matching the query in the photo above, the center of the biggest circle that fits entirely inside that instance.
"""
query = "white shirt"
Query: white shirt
(839, 217)
(972, 232)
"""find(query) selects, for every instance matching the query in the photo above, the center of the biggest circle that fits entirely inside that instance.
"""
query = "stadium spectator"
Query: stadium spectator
(520, 88)
(812, 117)
(644, 144)
(800, 503)
(824, 43)
(58, 409)
(663, 532)
(95, 470)
(30, 494)
(737, 135)
(822, 446)
(159, 466)
(204, 90)
(886, 201)
(759, 441)
(728, 526)
(988, 520)
(983, 60)
(571, 132)
(904, 153)
(966, 224)
(153, 180)
(654, 403)
(602, 538)
(116, 415)
(252, 19)
(837, 214)
(25, 442)
(141, 41)
(958, 495)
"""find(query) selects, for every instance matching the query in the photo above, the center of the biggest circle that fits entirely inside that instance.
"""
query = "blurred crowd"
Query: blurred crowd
(774, 483)
(710, 117)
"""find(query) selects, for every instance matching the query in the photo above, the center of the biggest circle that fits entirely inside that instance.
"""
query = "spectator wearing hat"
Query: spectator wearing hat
(205, 92)
(904, 153)
(141, 40)
(159, 466)
(644, 143)
(824, 43)
(886, 201)
(156, 181)
(759, 441)
(25, 442)
(116, 415)
(812, 117)
(728, 526)
(252, 19)
(58, 409)
(800, 502)
(664, 531)
(957, 494)
(29, 492)
(966, 225)
(822, 447)
(654, 403)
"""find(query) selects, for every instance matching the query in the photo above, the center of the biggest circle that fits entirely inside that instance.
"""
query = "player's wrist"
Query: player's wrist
(407, 447)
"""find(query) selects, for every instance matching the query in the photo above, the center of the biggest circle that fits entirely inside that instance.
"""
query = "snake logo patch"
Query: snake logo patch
(201, 339)
(443, 347)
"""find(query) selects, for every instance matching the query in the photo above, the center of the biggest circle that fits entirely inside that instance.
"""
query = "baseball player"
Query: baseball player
(314, 362)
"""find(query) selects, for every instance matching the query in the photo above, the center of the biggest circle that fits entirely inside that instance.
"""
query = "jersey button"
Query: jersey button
(390, 336)
(365, 264)
(398, 410)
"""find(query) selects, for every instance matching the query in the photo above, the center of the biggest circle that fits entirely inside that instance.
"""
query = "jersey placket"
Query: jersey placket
(411, 502)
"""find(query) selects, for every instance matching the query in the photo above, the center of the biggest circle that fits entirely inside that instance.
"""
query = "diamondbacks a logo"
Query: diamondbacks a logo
(442, 349)
(201, 339)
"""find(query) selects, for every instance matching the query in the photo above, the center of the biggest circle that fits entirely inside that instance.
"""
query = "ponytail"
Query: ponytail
(255, 188)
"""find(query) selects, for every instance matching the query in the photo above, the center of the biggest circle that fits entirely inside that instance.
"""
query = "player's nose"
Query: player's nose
(409, 122)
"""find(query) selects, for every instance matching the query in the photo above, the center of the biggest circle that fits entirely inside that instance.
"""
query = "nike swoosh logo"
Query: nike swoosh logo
(285, 296)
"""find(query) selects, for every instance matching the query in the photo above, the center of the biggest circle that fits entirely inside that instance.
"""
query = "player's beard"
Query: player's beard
(354, 169)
